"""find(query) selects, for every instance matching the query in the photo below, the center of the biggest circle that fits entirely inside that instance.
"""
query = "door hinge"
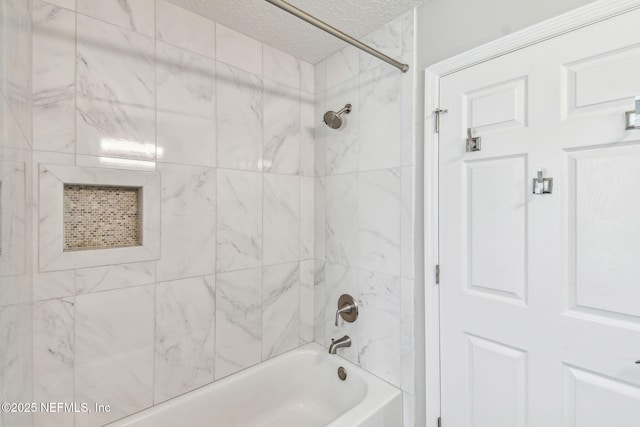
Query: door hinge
(437, 112)
(439, 422)
(438, 274)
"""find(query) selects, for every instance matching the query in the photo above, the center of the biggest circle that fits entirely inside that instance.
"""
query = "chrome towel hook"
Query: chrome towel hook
(473, 144)
(542, 185)
(633, 117)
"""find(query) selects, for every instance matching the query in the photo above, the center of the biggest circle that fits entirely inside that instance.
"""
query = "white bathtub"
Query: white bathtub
(300, 388)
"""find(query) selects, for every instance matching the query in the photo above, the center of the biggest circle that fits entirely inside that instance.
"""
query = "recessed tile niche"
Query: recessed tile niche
(98, 216)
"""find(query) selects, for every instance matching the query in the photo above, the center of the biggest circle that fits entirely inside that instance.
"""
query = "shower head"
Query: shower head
(334, 119)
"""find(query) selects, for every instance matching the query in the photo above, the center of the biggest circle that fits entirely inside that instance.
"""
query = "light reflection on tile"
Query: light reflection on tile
(116, 91)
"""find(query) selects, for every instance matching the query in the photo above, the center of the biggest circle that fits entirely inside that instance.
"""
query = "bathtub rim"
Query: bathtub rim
(376, 398)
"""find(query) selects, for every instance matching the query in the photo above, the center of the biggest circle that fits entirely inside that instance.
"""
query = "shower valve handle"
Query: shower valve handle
(347, 308)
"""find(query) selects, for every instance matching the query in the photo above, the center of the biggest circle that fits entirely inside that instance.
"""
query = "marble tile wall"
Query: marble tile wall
(364, 209)
(229, 124)
(16, 333)
(267, 216)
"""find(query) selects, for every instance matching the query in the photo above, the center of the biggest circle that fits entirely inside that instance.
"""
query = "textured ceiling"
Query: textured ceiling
(277, 28)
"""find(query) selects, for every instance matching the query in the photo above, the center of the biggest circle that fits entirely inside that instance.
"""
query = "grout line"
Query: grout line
(74, 367)
(75, 163)
(262, 83)
(75, 90)
(155, 262)
(216, 205)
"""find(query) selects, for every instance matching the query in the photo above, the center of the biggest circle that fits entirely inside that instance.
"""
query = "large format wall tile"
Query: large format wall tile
(319, 221)
(54, 62)
(408, 127)
(97, 279)
(408, 33)
(379, 340)
(115, 92)
(16, 375)
(307, 217)
(342, 219)
(114, 352)
(238, 321)
(184, 339)
(185, 29)
(307, 77)
(53, 357)
(239, 118)
(281, 219)
(53, 284)
(185, 107)
(342, 66)
(238, 50)
(281, 153)
(239, 213)
(188, 218)
(320, 154)
(281, 67)
(407, 239)
(307, 283)
(407, 341)
(379, 210)
(136, 15)
(16, 84)
(67, 4)
(319, 302)
(307, 134)
(280, 309)
(380, 118)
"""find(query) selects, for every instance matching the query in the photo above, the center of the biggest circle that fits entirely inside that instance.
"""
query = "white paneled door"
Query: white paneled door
(540, 293)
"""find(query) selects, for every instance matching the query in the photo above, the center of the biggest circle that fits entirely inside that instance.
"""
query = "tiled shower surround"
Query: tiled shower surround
(266, 215)
(228, 124)
(364, 184)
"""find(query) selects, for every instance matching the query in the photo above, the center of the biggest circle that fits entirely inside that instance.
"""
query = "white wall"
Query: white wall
(448, 27)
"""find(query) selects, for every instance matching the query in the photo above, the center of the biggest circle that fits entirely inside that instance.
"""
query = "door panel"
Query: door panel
(496, 218)
(497, 382)
(501, 105)
(589, 83)
(594, 400)
(540, 294)
(607, 229)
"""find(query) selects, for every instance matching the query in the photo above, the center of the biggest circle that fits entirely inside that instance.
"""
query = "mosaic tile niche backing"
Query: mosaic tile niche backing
(99, 217)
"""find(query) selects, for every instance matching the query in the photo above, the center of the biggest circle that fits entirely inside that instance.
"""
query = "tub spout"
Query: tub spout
(345, 341)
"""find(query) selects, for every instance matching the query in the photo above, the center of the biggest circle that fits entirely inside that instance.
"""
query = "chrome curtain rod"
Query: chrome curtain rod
(337, 33)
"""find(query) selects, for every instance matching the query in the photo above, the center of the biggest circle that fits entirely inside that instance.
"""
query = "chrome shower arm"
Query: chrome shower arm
(337, 33)
(346, 109)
